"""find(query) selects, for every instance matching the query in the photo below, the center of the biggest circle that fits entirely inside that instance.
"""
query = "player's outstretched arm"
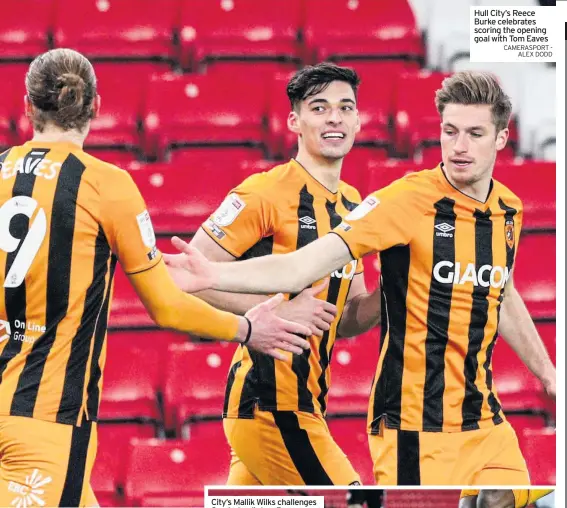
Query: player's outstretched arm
(305, 308)
(169, 307)
(518, 330)
(288, 273)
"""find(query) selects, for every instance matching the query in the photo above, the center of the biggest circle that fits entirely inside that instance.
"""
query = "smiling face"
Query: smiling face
(469, 142)
(327, 122)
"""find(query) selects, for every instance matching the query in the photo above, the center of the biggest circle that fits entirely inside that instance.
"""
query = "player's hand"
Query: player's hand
(190, 269)
(310, 311)
(273, 335)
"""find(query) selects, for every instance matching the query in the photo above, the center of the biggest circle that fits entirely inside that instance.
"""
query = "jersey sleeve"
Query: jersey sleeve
(243, 218)
(385, 219)
(127, 224)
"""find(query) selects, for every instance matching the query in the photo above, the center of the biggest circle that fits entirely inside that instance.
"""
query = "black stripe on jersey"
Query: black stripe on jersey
(509, 214)
(438, 312)
(61, 234)
(300, 449)
(332, 297)
(408, 458)
(75, 478)
(72, 396)
(263, 366)
(15, 297)
(93, 390)
(349, 205)
(472, 403)
(388, 391)
(229, 383)
(306, 233)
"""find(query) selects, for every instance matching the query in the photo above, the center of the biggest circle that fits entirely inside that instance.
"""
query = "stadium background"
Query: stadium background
(193, 101)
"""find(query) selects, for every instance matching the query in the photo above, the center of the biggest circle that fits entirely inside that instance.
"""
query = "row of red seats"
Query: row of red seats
(165, 112)
(192, 31)
(191, 378)
(180, 196)
(155, 472)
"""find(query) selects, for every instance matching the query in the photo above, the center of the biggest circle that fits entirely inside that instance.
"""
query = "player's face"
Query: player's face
(469, 142)
(327, 122)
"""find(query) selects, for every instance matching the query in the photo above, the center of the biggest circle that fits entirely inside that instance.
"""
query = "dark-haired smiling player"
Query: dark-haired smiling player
(274, 411)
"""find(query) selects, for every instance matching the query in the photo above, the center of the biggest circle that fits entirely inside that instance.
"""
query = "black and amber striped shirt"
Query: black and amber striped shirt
(276, 212)
(445, 261)
(65, 220)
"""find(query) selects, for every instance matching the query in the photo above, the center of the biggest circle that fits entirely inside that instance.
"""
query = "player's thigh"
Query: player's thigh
(289, 448)
(45, 463)
(505, 464)
(383, 450)
(239, 474)
(496, 499)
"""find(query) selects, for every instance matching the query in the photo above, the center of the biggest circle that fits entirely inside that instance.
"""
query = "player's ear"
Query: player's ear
(96, 106)
(502, 138)
(293, 122)
(28, 107)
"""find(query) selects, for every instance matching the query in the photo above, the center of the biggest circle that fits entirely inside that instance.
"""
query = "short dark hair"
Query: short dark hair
(313, 79)
(472, 88)
(61, 84)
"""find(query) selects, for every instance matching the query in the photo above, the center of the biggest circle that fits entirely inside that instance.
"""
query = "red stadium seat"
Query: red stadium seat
(376, 109)
(25, 28)
(180, 200)
(518, 389)
(202, 110)
(172, 473)
(121, 158)
(371, 272)
(547, 334)
(227, 157)
(156, 340)
(116, 127)
(534, 183)
(422, 498)
(108, 470)
(539, 449)
(416, 117)
(534, 274)
(350, 434)
(520, 422)
(131, 381)
(129, 29)
(239, 30)
(352, 371)
(355, 170)
(339, 29)
(195, 382)
(382, 174)
(281, 141)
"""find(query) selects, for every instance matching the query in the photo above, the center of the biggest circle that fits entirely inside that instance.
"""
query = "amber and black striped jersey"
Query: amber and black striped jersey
(445, 261)
(65, 220)
(276, 212)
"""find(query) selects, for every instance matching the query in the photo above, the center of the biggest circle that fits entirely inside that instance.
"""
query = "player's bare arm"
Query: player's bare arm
(517, 328)
(305, 308)
(362, 311)
(288, 273)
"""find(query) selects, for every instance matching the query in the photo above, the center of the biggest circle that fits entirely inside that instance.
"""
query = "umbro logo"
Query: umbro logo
(444, 230)
(307, 222)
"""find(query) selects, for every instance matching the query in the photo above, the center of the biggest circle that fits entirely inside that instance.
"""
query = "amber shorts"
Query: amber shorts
(489, 456)
(46, 464)
(285, 448)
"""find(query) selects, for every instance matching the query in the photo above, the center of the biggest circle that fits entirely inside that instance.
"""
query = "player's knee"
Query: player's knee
(495, 499)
